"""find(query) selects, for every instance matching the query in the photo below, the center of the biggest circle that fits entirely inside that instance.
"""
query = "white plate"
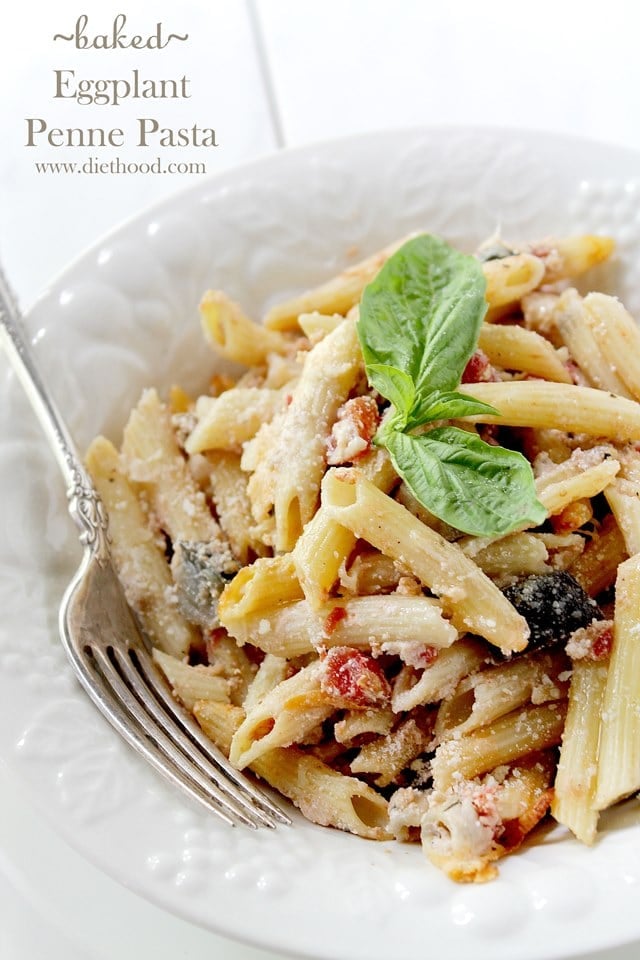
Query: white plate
(124, 316)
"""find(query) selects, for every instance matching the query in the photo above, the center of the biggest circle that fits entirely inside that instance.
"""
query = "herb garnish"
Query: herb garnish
(418, 326)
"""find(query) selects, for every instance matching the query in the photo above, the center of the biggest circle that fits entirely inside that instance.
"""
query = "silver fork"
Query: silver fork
(102, 639)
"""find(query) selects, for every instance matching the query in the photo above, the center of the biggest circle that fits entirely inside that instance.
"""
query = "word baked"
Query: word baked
(117, 39)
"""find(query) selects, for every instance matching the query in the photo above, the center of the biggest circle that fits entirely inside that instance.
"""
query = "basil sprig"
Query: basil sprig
(418, 326)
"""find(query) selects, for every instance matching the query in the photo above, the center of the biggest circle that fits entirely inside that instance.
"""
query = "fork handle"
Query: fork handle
(85, 505)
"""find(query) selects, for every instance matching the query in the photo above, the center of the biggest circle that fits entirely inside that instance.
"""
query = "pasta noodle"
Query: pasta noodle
(233, 334)
(331, 628)
(290, 487)
(619, 756)
(472, 599)
(140, 562)
(293, 629)
(561, 406)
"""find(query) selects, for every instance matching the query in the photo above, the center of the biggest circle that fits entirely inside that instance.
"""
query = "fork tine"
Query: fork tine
(167, 713)
(205, 755)
(122, 708)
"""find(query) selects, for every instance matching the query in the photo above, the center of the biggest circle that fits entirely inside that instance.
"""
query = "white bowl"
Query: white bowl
(123, 317)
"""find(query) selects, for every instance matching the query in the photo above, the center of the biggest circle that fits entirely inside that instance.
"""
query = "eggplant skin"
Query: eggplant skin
(554, 606)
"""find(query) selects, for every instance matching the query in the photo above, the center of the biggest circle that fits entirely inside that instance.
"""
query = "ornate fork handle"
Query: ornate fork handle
(85, 505)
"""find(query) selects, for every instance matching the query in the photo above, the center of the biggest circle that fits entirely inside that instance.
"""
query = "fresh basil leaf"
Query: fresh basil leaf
(478, 488)
(418, 326)
(422, 313)
(395, 385)
(445, 406)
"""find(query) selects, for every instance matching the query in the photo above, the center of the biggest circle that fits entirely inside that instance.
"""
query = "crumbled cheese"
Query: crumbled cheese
(347, 443)
(415, 653)
(407, 808)
(592, 642)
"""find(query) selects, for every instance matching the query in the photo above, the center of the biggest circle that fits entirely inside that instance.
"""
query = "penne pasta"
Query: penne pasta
(515, 348)
(472, 600)
(508, 280)
(595, 569)
(619, 756)
(623, 496)
(355, 723)
(492, 693)
(617, 336)
(561, 406)
(513, 556)
(338, 295)
(325, 545)
(153, 459)
(371, 573)
(438, 680)
(316, 325)
(586, 482)
(232, 663)
(394, 630)
(228, 487)
(267, 582)
(284, 715)
(568, 257)
(233, 335)
(272, 671)
(295, 628)
(509, 738)
(576, 780)
(624, 500)
(387, 756)
(139, 561)
(228, 421)
(570, 318)
(192, 683)
(322, 794)
(297, 458)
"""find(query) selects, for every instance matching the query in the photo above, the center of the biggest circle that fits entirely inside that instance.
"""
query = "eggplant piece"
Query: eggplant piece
(554, 605)
(494, 250)
(201, 571)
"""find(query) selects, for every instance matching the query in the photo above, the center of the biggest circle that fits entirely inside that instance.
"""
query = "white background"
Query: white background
(267, 74)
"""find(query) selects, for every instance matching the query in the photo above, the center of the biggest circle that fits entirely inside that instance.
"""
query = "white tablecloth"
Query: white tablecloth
(266, 74)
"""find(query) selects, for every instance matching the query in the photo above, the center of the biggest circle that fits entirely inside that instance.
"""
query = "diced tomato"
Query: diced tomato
(354, 679)
(602, 643)
(364, 412)
(592, 642)
(333, 619)
(478, 369)
(356, 423)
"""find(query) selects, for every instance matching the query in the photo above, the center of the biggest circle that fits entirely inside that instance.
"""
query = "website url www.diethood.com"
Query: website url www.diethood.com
(92, 165)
